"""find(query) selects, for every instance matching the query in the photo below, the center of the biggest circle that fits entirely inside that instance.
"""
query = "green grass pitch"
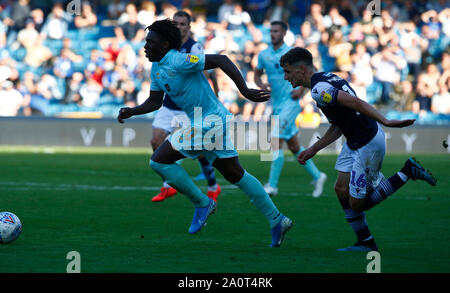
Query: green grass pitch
(97, 201)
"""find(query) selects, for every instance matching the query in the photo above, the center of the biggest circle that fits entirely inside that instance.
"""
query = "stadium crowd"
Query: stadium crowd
(55, 62)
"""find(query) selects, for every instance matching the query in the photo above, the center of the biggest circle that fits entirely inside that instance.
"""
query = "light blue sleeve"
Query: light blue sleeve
(154, 85)
(189, 63)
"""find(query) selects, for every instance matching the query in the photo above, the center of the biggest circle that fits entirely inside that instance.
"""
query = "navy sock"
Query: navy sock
(208, 171)
(356, 220)
(384, 190)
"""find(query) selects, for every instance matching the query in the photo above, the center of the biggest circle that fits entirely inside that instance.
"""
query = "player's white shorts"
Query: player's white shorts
(169, 120)
(363, 164)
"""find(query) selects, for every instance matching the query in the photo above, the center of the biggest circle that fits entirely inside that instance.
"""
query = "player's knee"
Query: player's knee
(341, 190)
(156, 141)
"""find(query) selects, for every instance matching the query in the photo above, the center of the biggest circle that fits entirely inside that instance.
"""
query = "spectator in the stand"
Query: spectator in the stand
(238, 19)
(226, 7)
(19, 14)
(440, 102)
(413, 45)
(386, 66)
(96, 60)
(63, 65)
(349, 11)
(87, 19)
(431, 77)
(144, 92)
(37, 16)
(131, 30)
(340, 49)
(67, 47)
(368, 28)
(404, 96)
(315, 17)
(11, 100)
(28, 35)
(90, 93)
(278, 11)
(257, 9)
(129, 93)
(308, 118)
(228, 95)
(143, 66)
(361, 66)
(48, 88)
(334, 18)
(115, 9)
(167, 11)
(147, 14)
(57, 24)
(356, 34)
(37, 54)
(127, 58)
(72, 93)
(308, 35)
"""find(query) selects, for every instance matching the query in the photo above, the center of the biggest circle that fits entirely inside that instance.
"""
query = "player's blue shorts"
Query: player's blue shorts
(211, 142)
(285, 128)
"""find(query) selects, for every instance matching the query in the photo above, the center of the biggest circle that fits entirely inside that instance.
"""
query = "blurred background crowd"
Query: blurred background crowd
(58, 61)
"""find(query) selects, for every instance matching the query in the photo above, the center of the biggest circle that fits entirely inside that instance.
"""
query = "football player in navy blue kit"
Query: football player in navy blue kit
(360, 184)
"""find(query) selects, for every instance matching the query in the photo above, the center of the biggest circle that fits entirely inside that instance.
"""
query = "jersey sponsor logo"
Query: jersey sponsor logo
(191, 58)
(326, 97)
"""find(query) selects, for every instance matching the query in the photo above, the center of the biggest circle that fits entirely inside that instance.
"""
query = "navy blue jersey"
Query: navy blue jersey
(357, 128)
(190, 46)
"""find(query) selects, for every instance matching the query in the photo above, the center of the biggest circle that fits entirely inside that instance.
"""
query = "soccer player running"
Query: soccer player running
(164, 122)
(181, 76)
(285, 107)
(360, 184)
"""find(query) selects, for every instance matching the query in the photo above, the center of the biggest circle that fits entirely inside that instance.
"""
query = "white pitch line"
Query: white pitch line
(30, 186)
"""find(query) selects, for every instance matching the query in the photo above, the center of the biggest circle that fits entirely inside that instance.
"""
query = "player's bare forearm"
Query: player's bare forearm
(153, 103)
(225, 64)
(330, 136)
(333, 133)
(364, 108)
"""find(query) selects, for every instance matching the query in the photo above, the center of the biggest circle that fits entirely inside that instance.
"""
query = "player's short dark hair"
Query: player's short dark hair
(280, 23)
(182, 13)
(167, 30)
(297, 55)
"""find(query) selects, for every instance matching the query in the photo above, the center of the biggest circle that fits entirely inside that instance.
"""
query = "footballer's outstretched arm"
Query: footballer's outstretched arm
(223, 62)
(364, 108)
(153, 103)
(330, 136)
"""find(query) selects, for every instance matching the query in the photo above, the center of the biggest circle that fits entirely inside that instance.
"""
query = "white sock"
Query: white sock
(402, 176)
(212, 188)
